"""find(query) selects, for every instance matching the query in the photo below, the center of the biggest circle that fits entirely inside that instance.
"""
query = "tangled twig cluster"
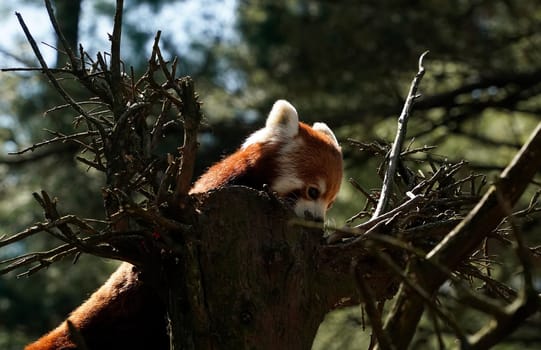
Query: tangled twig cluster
(127, 123)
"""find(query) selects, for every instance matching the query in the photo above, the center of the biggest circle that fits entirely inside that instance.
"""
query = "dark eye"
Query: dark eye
(313, 193)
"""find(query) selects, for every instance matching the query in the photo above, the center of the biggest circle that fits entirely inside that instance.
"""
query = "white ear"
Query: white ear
(322, 127)
(283, 119)
(282, 124)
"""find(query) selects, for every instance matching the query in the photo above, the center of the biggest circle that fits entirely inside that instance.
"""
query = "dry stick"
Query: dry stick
(365, 226)
(479, 302)
(73, 60)
(59, 107)
(528, 301)
(399, 140)
(63, 251)
(372, 311)
(46, 258)
(157, 129)
(115, 57)
(75, 138)
(23, 234)
(411, 284)
(423, 149)
(44, 226)
(437, 330)
(59, 138)
(34, 69)
(163, 65)
(53, 80)
(191, 114)
(156, 62)
(359, 188)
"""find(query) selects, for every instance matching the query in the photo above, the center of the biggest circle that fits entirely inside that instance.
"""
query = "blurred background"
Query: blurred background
(347, 63)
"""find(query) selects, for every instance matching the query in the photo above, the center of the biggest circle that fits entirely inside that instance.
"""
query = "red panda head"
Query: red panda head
(300, 163)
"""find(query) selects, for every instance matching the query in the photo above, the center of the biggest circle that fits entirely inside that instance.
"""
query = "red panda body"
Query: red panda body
(301, 164)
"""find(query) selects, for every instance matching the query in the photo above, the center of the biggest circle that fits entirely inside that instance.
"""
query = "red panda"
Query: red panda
(301, 164)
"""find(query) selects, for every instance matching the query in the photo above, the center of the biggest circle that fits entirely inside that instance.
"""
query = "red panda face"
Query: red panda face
(308, 161)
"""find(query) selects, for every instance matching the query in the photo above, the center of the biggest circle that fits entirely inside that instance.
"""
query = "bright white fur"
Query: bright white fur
(322, 127)
(282, 124)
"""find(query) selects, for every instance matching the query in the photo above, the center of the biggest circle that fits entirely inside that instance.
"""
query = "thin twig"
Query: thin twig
(359, 188)
(54, 81)
(408, 205)
(191, 113)
(528, 302)
(116, 79)
(423, 294)
(59, 138)
(34, 69)
(372, 311)
(386, 189)
(69, 51)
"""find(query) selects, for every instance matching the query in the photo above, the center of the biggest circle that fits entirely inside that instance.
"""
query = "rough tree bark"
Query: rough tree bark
(254, 277)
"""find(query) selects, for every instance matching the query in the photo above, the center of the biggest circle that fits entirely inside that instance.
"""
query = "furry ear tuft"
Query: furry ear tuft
(323, 128)
(283, 118)
(282, 125)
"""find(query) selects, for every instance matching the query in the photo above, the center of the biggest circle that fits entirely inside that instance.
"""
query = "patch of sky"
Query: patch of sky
(36, 20)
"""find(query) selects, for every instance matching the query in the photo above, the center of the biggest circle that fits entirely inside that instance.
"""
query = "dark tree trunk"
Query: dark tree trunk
(251, 279)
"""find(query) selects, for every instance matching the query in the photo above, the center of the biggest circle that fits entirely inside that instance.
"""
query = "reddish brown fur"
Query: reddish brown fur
(326, 164)
(253, 166)
(124, 313)
(256, 165)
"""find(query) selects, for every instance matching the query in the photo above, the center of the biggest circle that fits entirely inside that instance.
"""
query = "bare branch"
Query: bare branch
(372, 311)
(54, 81)
(19, 159)
(75, 62)
(116, 79)
(59, 138)
(191, 112)
(527, 303)
(399, 140)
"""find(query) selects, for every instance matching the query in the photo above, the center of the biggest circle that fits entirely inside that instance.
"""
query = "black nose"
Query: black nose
(309, 216)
